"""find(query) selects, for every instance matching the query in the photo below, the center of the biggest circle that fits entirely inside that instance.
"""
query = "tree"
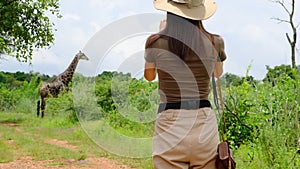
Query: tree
(232, 79)
(291, 12)
(278, 72)
(25, 26)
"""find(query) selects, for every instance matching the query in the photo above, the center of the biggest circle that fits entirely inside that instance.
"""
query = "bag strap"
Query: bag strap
(215, 93)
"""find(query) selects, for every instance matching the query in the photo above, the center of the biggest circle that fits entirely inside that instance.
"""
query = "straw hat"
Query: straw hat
(192, 9)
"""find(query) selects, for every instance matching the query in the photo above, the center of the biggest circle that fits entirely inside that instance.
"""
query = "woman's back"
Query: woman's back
(181, 79)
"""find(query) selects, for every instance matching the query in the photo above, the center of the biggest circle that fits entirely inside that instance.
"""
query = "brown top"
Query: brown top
(182, 80)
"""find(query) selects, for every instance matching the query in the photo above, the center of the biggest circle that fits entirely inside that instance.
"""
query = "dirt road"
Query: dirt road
(89, 163)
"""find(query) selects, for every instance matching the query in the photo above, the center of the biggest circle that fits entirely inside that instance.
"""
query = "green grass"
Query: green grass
(27, 135)
(24, 135)
(6, 154)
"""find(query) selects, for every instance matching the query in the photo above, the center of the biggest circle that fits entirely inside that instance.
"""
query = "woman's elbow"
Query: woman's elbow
(150, 71)
(150, 76)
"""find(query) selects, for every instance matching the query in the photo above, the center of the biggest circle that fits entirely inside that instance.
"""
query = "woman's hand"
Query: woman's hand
(163, 24)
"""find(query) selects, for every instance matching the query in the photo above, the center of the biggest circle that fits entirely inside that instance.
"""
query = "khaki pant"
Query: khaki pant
(185, 139)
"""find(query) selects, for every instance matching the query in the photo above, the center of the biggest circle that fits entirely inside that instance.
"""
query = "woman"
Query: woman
(184, 55)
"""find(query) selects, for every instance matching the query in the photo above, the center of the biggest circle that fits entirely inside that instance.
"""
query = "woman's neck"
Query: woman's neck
(201, 27)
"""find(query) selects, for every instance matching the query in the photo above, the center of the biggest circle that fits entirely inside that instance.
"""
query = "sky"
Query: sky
(251, 36)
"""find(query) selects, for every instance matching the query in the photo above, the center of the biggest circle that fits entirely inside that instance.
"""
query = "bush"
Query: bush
(276, 107)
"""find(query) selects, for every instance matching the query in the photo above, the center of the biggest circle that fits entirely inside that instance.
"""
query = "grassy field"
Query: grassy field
(262, 121)
(24, 135)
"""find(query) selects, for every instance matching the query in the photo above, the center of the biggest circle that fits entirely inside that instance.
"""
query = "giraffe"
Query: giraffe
(59, 84)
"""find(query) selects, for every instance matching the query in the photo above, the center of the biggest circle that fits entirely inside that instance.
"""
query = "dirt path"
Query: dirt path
(30, 163)
(89, 163)
(60, 143)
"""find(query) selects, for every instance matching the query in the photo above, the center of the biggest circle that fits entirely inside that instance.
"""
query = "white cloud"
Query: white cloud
(69, 16)
(95, 25)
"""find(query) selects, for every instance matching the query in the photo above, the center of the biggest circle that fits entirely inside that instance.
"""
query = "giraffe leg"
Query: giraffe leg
(38, 108)
(43, 106)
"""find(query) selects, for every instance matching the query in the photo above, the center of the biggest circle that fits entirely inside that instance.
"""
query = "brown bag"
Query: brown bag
(225, 157)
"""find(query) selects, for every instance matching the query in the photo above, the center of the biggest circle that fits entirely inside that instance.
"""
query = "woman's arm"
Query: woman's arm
(221, 51)
(163, 24)
(150, 69)
(218, 71)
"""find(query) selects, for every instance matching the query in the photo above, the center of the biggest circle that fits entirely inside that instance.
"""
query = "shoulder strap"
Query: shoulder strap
(215, 94)
(216, 101)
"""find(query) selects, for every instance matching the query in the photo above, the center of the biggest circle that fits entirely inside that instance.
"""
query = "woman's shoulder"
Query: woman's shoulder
(151, 39)
(219, 42)
(218, 39)
(154, 39)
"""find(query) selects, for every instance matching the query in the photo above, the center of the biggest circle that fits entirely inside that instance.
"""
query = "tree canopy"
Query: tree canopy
(25, 26)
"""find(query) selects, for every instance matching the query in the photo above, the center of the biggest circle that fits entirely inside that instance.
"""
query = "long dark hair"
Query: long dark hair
(182, 33)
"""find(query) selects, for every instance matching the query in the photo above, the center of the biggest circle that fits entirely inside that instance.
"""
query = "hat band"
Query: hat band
(190, 3)
(182, 1)
(197, 3)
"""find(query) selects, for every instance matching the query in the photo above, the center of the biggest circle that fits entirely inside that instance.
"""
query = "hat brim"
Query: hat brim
(201, 12)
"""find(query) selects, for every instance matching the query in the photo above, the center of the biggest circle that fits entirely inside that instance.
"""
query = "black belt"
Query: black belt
(188, 105)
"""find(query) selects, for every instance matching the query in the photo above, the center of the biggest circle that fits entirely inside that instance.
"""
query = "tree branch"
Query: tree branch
(281, 3)
(288, 38)
(298, 25)
(293, 9)
(237, 117)
(280, 20)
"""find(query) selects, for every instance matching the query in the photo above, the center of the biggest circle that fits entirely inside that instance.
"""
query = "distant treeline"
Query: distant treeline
(14, 80)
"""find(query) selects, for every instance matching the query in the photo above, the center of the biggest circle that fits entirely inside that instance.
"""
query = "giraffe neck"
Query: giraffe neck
(67, 75)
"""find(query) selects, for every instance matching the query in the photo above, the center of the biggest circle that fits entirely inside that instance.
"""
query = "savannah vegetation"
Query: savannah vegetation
(262, 115)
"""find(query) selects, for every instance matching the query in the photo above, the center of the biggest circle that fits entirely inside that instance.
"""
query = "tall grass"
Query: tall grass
(274, 109)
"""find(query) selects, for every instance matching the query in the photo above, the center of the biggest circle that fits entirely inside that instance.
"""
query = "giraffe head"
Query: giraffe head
(82, 56)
